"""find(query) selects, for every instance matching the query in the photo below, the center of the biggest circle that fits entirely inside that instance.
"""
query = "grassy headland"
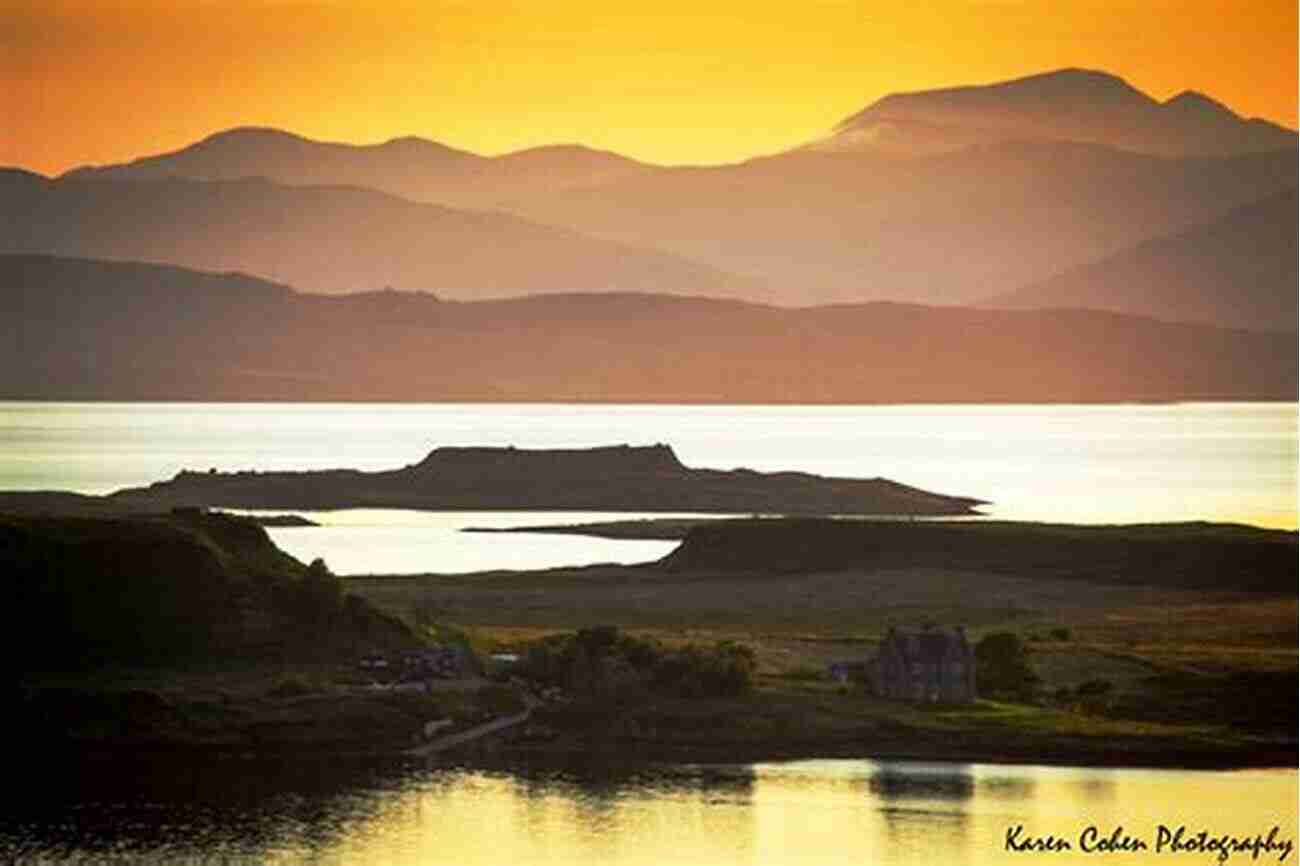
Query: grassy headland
(1160, 645)
(193, 630)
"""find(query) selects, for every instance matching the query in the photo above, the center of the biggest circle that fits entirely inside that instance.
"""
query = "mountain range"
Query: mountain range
(88, 330)
(330, 238)
(949, 228)
(413, 168)
(1027, 201)
(950, 196)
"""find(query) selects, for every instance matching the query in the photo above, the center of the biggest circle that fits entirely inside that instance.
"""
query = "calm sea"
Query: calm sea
(809, 812)
(1083, 464)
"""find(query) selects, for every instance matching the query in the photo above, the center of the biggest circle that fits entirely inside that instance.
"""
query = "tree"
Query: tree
(1002, 668)
(320, 594)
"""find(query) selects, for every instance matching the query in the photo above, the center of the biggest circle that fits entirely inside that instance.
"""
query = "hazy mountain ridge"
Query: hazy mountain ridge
(949, 196)
(947, 228)
(1239, 270)
(410, 167)
(329, 238)
(90, 330)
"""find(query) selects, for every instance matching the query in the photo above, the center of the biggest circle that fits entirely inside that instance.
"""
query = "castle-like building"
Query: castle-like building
(926, 664)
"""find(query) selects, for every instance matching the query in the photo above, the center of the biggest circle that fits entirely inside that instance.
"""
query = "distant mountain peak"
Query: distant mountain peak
(1063, 105)
(1075, 75)
(1061, 84)
(423, 146)
(1195, 101)
(247, 132)
(1071, 83)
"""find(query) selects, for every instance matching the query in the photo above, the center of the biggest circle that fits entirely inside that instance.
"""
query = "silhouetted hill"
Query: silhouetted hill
(619, 478)
(75, 329)
(329, 238)
(59, 503)
(947, 228)
(1239, 271)
(95, 592)
(413, 168)
(1174, 555)
(1078, 105)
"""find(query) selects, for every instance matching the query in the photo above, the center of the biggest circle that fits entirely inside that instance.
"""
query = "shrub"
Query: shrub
(1002, 668)
(603, 663)
(315, 599)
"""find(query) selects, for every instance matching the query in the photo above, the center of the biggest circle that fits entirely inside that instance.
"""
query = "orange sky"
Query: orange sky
(666, 81)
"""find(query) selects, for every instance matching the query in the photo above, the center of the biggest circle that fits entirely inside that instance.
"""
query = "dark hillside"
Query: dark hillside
(85, 330)
(97, 592)
(1184, 556)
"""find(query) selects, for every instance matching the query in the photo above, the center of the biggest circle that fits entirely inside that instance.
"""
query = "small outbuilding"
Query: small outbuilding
(930, 664)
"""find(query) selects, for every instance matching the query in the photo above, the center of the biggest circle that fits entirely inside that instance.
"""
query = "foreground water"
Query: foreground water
(809, 812)
(1083, 464)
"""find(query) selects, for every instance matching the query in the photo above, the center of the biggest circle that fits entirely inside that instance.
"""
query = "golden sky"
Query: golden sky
(666, 80)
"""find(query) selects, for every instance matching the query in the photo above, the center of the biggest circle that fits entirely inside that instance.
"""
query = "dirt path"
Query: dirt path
(474, 733)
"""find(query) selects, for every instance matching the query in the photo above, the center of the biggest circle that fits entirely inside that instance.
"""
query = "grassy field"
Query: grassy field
(818, 616)
(1147, 654)
(1196, 676)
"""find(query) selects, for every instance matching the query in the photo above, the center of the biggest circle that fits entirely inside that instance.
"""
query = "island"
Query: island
(613, 478)
(282, 521)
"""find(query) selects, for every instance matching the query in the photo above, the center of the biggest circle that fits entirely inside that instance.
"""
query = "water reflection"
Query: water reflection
(1097, 788)
(895, 781)
(604, 810)
(591, 809)
(922, 806)
(1007, 787)
(166, 809)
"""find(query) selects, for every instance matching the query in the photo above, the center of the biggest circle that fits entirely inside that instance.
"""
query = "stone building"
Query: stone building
(926, 664)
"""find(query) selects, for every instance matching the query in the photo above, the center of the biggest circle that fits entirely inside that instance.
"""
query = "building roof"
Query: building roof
(927, 645)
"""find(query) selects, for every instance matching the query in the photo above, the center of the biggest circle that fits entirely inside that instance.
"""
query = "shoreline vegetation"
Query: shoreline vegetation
(1167, 645)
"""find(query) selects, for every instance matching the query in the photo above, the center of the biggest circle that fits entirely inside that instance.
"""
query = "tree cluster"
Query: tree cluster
(1002, 668)
(603, 663)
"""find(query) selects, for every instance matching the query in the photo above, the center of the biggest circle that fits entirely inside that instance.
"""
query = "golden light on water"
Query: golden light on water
(669, 81)
(807, 813)
(1121, 463)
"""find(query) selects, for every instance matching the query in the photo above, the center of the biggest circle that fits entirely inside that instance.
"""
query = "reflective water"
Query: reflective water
(810, 812)
(398, 541)
(1084, 464)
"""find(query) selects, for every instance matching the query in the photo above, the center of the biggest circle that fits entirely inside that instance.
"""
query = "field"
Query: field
(1193, 676)
(1174, 645)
